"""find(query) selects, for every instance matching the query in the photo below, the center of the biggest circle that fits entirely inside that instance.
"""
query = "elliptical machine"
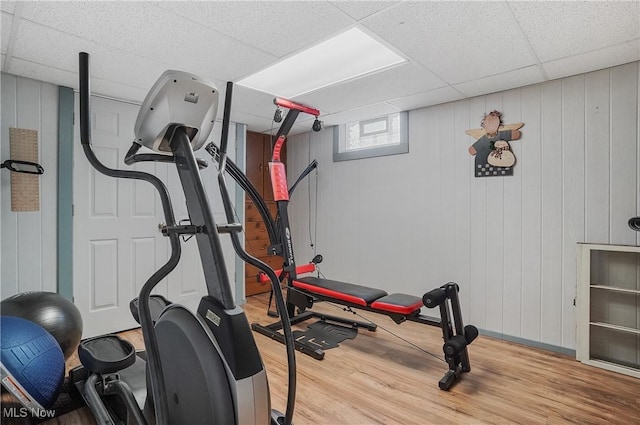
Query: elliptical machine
(200, 369)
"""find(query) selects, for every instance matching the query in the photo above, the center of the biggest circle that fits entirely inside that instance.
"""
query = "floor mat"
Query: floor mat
(69, 399)
(325, 335)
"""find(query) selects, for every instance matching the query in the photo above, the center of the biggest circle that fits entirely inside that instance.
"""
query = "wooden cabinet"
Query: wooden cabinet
(256, 237)
(608, 301)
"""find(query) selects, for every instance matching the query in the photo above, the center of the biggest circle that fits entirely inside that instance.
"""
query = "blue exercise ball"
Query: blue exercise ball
(32, 362)
(57, 315)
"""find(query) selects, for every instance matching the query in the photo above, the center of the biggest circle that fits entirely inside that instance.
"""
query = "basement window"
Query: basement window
(382, 136)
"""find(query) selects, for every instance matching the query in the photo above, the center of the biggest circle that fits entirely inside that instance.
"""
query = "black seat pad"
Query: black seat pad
(356, 294)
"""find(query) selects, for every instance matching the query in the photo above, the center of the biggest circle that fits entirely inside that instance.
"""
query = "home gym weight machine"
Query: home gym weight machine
(197, 369)
(302, 292)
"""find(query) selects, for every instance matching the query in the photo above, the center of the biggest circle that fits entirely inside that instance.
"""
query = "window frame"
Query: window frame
(339, 139)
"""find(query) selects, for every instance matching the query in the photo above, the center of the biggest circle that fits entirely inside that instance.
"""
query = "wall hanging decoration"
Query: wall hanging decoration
(493, 155)
(25, 186)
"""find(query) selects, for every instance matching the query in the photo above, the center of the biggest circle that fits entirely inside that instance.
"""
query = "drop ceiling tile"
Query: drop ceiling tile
(495, 83)
(361, 9)
(594, 60)
(254, 102)
(402, 80)
(432, 97)
(43, 73)
(253, 122)
(306, 120)
(561, 29)
(6, 22)
(150, 32)
(29, 46)
(118, 91)
(7, 6)
(106, 63)
(367, 112)
(253, 108)
(457, 41)
(70, 79)
(276, 27)
(479, 46)
(99, 21)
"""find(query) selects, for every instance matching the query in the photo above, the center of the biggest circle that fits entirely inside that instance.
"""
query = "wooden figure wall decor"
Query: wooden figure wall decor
(493, 155)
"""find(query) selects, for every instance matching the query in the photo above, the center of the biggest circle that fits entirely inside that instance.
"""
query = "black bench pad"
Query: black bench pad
(356, 294)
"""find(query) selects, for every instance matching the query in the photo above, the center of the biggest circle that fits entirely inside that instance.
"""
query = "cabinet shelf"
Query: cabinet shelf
(608, 307)
(616, 289)
(616, 327)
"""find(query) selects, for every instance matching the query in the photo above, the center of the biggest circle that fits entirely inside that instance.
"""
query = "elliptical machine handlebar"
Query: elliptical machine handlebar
(146, 321)
(248, 258)
(226, 118)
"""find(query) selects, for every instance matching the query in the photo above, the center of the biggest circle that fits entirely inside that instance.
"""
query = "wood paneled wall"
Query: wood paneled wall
(28, 259)
(408, 223)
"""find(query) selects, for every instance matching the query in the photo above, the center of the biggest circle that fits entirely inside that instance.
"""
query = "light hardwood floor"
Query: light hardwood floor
(380, 379)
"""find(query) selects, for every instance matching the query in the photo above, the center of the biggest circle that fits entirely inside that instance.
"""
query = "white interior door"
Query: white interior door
(117, 245)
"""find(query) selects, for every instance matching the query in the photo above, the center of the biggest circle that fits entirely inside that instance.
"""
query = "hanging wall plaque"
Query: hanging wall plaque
(493, 155)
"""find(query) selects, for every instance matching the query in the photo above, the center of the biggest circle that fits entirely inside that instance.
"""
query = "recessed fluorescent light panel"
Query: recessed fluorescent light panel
(349, 55)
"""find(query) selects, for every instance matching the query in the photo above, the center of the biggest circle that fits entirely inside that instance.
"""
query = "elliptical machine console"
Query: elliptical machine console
(177, 99)
(203, 368)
